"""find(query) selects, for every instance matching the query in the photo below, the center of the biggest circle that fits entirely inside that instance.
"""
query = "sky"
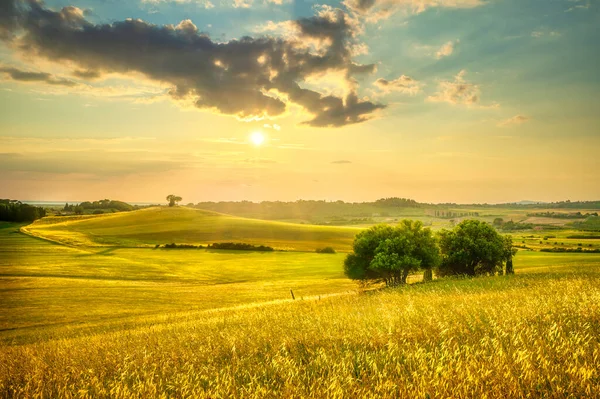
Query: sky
(465, 101)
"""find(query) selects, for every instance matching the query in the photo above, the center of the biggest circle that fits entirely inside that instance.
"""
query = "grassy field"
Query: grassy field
(101, 320)
(50, 290)
(528, 335)
(162, 225)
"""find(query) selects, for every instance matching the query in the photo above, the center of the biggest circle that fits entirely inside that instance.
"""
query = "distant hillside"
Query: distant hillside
(182, 225)
(340, 212)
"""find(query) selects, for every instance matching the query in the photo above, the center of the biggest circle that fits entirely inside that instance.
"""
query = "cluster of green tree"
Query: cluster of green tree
(578, 249)
(326, 250)
(180, 246)
(562, 215)
(240, 247)
(575, 204)
(105, 204)
(590, 224)
(395, 202)
(16, 211)
(451, 214)
(341, 221)
(532, 205)
(511, 226)
(389, 254)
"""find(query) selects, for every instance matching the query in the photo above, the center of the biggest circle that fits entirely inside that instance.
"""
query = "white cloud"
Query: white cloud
(515, 120)
(446, 49)
(457, 92)
(403, 84)
(375, 10)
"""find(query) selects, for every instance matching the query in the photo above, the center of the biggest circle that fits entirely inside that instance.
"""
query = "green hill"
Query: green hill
(186, 226)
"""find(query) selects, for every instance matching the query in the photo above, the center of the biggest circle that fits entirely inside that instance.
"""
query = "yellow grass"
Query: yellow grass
(187, 226)
(522, 336)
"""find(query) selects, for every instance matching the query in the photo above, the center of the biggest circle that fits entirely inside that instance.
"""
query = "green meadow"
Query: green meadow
(182, 225)
(90, 308)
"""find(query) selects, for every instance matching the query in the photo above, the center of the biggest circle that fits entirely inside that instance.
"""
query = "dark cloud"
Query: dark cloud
(342, 161)
(87, 74)
(25, 76)
(248, 77)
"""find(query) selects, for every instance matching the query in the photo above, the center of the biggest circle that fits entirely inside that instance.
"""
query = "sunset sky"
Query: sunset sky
(436, 100)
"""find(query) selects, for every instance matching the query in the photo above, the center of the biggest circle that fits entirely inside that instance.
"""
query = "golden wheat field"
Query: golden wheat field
(520, 336)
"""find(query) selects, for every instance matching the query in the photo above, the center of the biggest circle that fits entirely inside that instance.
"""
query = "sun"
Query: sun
(257, 138)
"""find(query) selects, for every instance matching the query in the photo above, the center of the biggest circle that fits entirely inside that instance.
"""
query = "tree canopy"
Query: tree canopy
(386, 253)
(173, 199)
(16, 211)
(473, 248)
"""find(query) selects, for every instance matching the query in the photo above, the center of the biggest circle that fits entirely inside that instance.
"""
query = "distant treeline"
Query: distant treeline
(395, 202)
(562, 215)
(235, 246)
(328, 212)
(106, 204)
(16, 211)
(543, 205)
(323, 210)
(590, 224)
(511, 226)
(305, 210)
(578, 249)
(453, 214)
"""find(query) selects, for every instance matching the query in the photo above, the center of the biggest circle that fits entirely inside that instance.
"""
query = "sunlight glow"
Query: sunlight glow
(257, 138)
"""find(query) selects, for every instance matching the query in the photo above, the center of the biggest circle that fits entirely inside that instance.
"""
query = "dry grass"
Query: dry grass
(521, 336)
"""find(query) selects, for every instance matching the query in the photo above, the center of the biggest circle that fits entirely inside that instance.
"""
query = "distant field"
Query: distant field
(127, 323)
(153, 226)
(108, 315)
(49, 289)
(46, 287)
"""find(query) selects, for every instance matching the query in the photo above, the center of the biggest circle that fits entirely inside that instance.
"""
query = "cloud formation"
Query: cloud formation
(250, 78)
(375, 10)
(341, 162)
(403, 84)
(515, 120)
(457, 92)
(446, 49)
(27, 76)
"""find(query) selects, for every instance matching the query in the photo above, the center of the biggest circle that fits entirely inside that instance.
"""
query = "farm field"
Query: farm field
(48, 287)
(95, 319)
(514, 336)
(182, 225)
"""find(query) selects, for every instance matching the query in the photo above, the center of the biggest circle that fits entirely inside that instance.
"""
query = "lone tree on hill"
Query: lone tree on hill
(386, 253)
(173, 199)
(474, 248)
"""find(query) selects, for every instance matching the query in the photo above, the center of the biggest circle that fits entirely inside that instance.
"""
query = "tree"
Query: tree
(390, 254)
(473, 248)
(173, 199)
(509, 252)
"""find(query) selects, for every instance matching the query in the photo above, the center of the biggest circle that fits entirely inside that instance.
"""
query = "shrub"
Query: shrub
(236, 246)
(326, 250)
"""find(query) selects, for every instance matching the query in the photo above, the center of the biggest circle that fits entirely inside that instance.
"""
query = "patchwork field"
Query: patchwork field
(94, 319)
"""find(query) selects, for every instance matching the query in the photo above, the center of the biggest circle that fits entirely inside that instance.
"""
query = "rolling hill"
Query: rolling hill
(161, 225)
